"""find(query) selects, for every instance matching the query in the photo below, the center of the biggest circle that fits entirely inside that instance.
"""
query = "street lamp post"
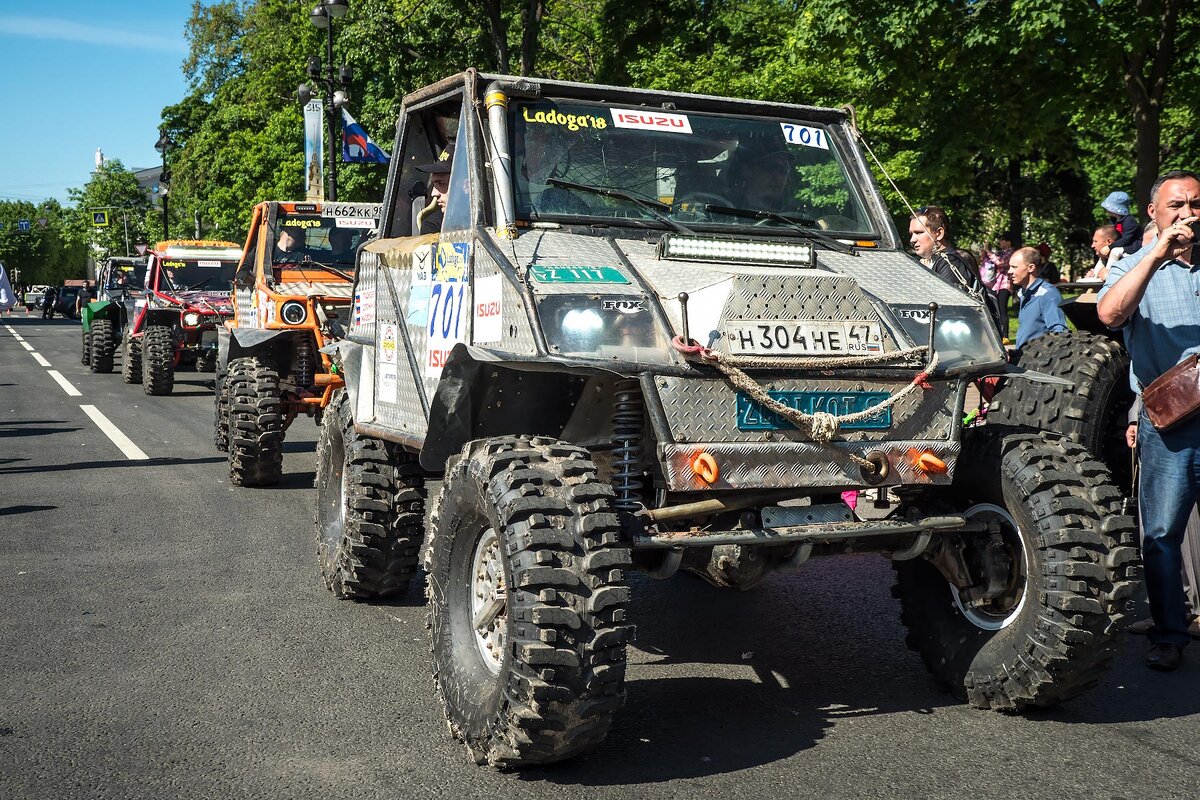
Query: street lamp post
(164, 144)
(328, 77)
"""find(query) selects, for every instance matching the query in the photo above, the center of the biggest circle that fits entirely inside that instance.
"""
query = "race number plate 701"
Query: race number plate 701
(802, 337)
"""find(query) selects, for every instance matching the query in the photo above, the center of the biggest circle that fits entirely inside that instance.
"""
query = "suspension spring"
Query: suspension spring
(628, 413)
(304, 368)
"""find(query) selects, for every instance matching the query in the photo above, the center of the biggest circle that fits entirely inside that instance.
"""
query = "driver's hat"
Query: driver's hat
(442, 165)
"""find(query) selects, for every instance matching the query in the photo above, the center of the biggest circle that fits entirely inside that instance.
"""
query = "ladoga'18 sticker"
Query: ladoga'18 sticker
(804, 135)
(651, 120)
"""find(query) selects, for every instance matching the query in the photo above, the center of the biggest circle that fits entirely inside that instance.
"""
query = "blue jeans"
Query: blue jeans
(1168, 490)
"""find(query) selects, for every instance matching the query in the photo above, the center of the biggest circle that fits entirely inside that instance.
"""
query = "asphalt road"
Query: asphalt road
(165, 635)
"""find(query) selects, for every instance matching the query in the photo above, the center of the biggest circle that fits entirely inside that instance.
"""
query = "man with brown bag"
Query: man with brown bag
(1154, 296)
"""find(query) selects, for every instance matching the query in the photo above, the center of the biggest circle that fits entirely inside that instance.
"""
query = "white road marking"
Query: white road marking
(18, 337)
(27, 346)
(123, 442)
(64, 383)
(41, 359)
(9, 328)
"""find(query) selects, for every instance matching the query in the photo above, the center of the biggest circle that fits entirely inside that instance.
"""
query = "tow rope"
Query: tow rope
(821, 426)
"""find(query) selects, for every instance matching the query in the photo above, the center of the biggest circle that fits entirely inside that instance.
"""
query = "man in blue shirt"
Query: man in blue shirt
(1154, 296)
(1038, 303)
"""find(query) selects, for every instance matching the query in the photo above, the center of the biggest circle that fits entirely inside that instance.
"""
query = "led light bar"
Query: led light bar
(204, 253)
(743, 251)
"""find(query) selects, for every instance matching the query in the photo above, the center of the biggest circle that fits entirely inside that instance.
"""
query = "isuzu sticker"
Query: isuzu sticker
(571, 122)
(364, 306)
(354, 222)
(387, 343)
(450, 263)
(448, 302)
(804, 135)
(651, 120)
(488, 309)
(577, 275)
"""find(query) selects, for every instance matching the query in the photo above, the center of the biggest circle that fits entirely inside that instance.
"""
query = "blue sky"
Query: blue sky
(82, 74)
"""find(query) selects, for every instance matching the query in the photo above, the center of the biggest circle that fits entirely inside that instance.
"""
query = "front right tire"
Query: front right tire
(131, 359)
(256, 427)
(527, 601)
(103, 345)
(158, 360)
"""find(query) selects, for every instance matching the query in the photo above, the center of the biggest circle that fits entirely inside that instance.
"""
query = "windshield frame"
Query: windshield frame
(165, 283)
(862, 199)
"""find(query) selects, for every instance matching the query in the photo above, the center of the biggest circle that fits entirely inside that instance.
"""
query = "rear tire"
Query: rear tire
(86, 357)
(370, 519)
(206, 361)
(131, 359)
(158, 360)
(255, 423)
(1072, 568)
(103, 345)
(527, 601)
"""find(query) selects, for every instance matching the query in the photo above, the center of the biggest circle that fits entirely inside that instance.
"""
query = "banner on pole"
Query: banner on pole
(314, 150)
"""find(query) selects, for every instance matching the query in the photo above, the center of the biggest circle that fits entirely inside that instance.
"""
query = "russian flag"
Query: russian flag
(357, 146)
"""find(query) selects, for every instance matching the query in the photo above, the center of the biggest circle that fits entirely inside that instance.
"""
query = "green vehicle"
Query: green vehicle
(118, 285)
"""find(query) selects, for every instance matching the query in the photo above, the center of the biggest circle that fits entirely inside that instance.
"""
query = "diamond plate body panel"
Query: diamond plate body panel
(406, 414)
(339, 289)
(518, 337)
(705, 410)
(553, 248)
(791, 464)
(893, 277)
(365, 285)
(243, 300)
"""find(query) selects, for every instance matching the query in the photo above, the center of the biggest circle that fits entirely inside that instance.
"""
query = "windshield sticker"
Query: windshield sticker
(488, 306)
(208, 263)
(298, 222)
(364, 306)
(447, 301)
(571, 122)
(577, 275)
(804, 135)
(651, 120)
(451, 261)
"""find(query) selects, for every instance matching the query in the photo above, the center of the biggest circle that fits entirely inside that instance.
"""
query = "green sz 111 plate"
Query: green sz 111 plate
(753, 417)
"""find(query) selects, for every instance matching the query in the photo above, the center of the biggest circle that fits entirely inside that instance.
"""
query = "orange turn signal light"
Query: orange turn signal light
(704, 467)
(926, 462)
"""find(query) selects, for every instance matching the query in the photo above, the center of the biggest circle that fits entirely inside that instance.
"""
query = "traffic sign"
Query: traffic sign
(100, 219)
(43, 221)
(23, 225)
(141, 248)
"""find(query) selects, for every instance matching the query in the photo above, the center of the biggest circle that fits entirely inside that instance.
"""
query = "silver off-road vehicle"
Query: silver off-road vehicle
(659, 331)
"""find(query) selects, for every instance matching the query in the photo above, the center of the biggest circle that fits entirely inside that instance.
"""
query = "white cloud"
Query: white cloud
(66, 30)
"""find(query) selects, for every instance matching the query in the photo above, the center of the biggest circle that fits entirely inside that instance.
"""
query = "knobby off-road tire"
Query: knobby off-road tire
(1081, 567)
(370, 518)
(527, 521)
(158, 360)
(103, 345)
(206, 361)
(86, 356)
(255, 423)
(221, 411)
(1092, 413)
(131, 359)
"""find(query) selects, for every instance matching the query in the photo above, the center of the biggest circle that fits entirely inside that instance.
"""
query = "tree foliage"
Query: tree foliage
(46, 253)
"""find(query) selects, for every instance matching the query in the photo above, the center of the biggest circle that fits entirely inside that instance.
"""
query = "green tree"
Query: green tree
(115, 189)
(46, 253)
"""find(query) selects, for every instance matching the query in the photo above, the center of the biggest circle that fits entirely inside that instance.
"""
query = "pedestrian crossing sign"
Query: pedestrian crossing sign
(100, 219)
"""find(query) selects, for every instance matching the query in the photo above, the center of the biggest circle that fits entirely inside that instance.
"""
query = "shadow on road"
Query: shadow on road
(114, 464)
(10, 510)
(34, 429)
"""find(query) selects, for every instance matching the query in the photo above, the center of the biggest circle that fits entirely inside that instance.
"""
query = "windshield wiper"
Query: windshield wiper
(800, 224)
(653, 206)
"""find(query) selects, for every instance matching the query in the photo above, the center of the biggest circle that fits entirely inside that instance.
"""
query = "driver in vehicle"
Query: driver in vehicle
(289, 245)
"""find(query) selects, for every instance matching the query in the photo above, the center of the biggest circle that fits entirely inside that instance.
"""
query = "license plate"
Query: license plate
(753, 417)
(771, 337)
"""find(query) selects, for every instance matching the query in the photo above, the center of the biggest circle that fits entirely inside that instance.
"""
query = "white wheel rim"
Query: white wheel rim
(489, 606)
(982, 619)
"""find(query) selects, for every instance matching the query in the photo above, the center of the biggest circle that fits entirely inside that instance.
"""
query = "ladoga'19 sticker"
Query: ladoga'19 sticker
(651, 120)
(450, 263)
(804, 135)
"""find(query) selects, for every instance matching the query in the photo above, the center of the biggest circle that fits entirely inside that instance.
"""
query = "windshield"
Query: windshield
(766, 173)
(182, 274)
(312, 237)
(126, 276)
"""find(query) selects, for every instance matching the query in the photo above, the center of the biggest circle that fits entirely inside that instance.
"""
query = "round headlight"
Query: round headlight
(293, 313)
(191, 319)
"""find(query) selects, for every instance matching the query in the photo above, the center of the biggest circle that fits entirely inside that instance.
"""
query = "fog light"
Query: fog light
(191, 319)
